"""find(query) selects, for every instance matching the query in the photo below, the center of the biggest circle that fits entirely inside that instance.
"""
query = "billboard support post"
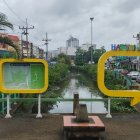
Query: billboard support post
(39, 115)
(108, 110)
(2, 104)
(8, 107)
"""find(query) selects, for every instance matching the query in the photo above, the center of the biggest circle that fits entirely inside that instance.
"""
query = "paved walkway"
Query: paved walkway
(50, 127)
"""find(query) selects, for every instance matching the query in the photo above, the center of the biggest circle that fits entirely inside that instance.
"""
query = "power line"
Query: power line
(13, 11)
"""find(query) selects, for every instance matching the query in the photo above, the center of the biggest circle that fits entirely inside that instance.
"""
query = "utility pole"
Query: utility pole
(21, 44)
(26, 28)
(138, 38)
(46, 43)
(91, 41)
(138, 45)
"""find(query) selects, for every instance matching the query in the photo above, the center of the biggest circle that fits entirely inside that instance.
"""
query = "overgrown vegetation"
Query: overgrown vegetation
(57, 73)
(84, 57)
(88, 69)
(111, 82)
(122, 106)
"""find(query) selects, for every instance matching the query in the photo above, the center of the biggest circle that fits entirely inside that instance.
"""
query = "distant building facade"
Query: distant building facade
(86, 46)
(15, 39)
(70, 51)
(72, 42)
(5, 49)
(29, 50)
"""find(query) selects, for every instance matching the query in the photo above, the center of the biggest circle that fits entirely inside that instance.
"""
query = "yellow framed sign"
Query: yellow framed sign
(135, 94)
(28, 76)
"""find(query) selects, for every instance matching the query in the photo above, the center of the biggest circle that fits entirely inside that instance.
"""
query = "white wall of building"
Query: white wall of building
(53, 53)
(71, 51)
(36, 51)
(86, 46)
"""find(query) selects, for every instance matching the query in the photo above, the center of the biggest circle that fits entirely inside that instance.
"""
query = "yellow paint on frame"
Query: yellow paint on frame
(135, 94)
(23, 90)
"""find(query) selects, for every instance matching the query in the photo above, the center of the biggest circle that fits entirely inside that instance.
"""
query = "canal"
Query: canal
(78, 83)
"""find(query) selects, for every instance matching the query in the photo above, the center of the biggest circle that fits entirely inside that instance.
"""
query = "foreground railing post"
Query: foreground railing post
(2, 104)
(39, 115)
(75, 103)
(91, 104)
(8, 107)
(108, 110)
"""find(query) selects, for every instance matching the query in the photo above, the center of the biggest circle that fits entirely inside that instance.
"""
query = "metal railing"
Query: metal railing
(39, 100)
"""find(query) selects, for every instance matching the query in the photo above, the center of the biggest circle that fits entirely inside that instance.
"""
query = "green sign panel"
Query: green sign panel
(23, 75)
(28, 76)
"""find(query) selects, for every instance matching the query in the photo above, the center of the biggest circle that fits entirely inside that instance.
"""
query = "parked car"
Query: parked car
(133, 74)
(138, 78)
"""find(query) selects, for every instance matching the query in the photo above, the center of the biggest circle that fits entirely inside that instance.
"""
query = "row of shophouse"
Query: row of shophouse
(27, 49)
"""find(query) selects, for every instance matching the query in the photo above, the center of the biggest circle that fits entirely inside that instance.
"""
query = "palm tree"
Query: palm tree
(4, 22)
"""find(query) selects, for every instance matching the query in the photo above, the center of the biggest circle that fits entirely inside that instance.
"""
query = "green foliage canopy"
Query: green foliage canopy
(4, 22)
(83, 56)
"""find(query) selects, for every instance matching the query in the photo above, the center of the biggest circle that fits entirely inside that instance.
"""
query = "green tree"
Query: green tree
(4, 22)
(83, 56)
(62, 58)
(57, 73)
(98, 53)
(80, 57)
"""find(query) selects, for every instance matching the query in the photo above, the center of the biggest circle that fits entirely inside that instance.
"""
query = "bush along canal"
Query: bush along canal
(82, 81)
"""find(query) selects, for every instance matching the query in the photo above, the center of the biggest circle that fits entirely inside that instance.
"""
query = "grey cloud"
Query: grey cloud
(127, 6)
(61, 18)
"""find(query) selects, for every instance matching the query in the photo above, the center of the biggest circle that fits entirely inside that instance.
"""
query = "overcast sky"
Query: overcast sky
(115, 21)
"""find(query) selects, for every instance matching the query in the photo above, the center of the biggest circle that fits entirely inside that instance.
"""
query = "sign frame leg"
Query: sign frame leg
(8, 115)
(39, 115)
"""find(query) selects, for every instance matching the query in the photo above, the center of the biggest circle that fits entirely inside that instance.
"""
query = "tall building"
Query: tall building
(72, 42)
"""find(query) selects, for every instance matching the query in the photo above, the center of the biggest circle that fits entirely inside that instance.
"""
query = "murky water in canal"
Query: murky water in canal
(86, 89)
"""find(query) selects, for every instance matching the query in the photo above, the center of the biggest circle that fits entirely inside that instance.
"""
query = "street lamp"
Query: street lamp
(91, 19)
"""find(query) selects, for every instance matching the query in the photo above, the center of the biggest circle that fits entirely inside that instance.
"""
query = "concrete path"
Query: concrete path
(50, 127)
